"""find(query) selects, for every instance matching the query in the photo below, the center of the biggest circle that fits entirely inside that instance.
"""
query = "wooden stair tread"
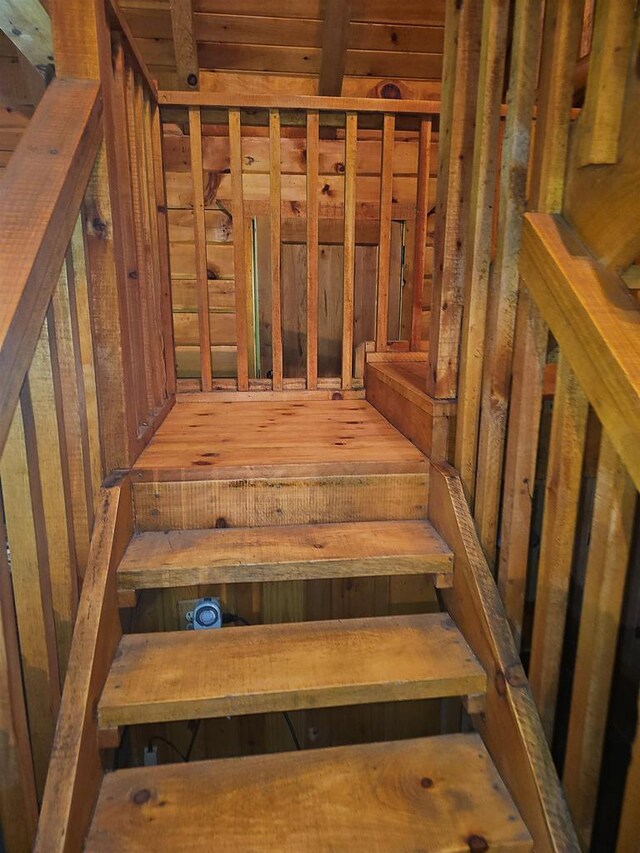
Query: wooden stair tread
(231, 671)
(293, 552)
(437, 794)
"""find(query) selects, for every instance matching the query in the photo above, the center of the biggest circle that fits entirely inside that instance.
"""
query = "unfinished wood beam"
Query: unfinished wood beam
(420, 235)
(42, 191)
(349, 258)
(27, 24)
(600, 121)
(313, 141)
(335, 34)
(503, 288)
(463, 26)
(596, 322)
(184, 44)
(384, 250)
(562, 30)
(495, 22)
(610, 545)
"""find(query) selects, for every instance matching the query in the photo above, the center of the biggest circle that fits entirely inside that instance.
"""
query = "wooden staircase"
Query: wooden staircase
(314, 516)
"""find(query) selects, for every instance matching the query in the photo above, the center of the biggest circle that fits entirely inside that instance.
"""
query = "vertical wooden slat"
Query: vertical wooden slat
(610, 544)
(18, 802)
(503, 290)
(200, 237)
(562, 492)
(63, 333)
(349, 258)
(46, 393)
(629, 826)
(276, 247)
(85, 340)
(562, 29)
(142, 276)
(420, 237)
(242, 284)
(384, 245)
(495, 22)
(152, 226)
(147, 281)
(185, 44)
(463, 22)
(22, 496)
(162, 220)
(601, 117)
(313, 132)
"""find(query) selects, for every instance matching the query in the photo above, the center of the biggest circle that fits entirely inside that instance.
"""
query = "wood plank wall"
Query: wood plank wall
(213, 162)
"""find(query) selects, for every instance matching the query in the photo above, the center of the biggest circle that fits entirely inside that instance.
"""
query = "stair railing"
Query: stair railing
(311, 167)
(86, 366)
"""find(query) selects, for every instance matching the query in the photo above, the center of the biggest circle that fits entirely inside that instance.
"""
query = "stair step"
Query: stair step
(298, 552)
(249, 670)
(251, 501)
(437, 794)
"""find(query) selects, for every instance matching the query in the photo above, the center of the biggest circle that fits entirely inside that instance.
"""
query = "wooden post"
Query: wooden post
(504, 280)
(351, 142)
(275, 181)
(200, 237)
(463, 24)
(313, 130)
(384, 245)
(420, 232)
(478, 238)
(242, 283)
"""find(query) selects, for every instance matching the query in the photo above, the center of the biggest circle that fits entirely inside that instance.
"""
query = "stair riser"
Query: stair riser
(266, 502)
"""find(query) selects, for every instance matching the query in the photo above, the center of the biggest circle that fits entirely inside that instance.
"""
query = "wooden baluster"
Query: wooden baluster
(503, 289)
(26, 533)
(126, 259)
(47, 395)
(351, 142)
(18, 801)
(609, 547)
(156, 273)
(478, 237)
(313, 132)
(276, 248)
(65, 346)
(384, 246)
(561, 38)
(562, 492)
(163, 249)
(200, 236)
(142, 280)
(242, 284)
(420, 233)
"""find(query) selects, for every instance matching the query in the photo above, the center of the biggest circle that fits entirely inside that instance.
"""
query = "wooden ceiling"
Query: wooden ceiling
(293, 46)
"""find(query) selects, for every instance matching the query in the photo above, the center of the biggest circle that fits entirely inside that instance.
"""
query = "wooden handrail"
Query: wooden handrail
(296, 102)
(42, 191)
(596, 322)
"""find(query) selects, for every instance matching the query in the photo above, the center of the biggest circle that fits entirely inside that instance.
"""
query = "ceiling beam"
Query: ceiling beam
(335, 33)
(184, 44)
(27, 24)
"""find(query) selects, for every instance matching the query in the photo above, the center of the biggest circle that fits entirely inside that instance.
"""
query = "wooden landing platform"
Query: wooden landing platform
(227, 440)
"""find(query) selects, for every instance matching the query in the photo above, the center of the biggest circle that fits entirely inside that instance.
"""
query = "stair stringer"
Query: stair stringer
(510, 725)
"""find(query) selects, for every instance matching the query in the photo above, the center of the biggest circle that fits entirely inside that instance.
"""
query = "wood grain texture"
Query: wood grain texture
(504, 276)
(189, 557)
(604, 586)
(335, 34)
(75, 771)
(212, 440)
(184, 43)
(562, 492)
(298, 801)
(293, 666)
(351, 132)
(42, 190)
(242, 280)
(595, 320)
(313, 142)
(420, 237)
(266, 502)
(384, 246)
(275, 193)
(510, 726)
